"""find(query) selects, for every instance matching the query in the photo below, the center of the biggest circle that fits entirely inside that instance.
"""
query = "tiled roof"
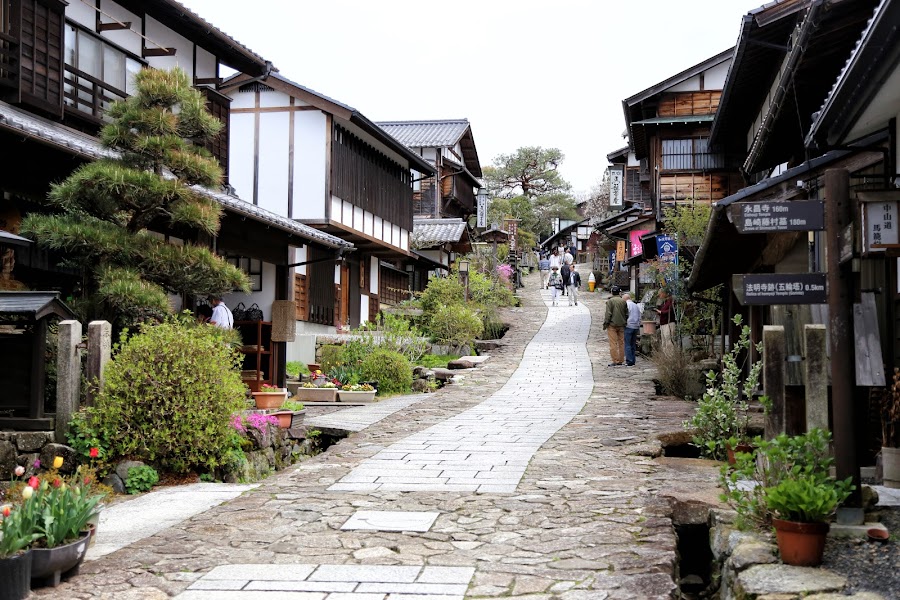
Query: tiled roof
(433, 232)
(426, 134)
(38, 304)
(82, 144)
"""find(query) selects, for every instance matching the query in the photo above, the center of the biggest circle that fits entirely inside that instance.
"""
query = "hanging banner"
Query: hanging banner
(612, 262)
(620, 250)
(635, 238)
(482, 210)
(616, 187)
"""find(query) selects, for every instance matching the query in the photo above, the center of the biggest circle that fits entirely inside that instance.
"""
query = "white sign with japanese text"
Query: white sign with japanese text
(616, 188)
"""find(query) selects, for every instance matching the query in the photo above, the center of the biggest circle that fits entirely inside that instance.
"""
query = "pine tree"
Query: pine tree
(108, 208)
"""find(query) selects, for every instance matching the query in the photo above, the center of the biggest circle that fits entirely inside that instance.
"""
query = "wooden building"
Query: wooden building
(311, 159)
(61, 66)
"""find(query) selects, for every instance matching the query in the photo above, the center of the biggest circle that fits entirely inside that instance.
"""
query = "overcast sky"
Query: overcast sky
(523, 72)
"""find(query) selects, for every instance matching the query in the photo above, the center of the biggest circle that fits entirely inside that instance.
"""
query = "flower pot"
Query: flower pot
(316, 394)
(649, 327)
(15, 575)
(268, 400)
(890, 465)
(297, 418)
(356, 396)
(800, 544)
(284, 418)
(49, 565)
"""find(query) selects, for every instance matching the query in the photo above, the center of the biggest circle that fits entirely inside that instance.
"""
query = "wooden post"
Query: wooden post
(68, 376)
(843, 376)
(773, 378)
(815, 376)
(98, 354)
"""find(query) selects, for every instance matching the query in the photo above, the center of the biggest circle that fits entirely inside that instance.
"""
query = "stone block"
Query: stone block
(31, 441)
(51, 451)
(784, 579)
(749, 553)
(443, 374)
(460, 363)
(421, 386)
(115, 482)
(122, 468)
(7, 459)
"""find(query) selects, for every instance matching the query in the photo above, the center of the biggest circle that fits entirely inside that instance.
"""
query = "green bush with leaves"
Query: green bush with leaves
(455, 325)
(295, 368)
(390, 369)
(141, 479)
(721, 415)
(784, 458)
(331, 356)
(169, 394)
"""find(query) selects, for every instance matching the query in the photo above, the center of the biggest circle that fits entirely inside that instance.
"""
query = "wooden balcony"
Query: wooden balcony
(459, 188)
(88, 95)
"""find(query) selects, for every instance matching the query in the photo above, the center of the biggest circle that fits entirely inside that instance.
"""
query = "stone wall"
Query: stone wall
(273, 450)
(25, 447)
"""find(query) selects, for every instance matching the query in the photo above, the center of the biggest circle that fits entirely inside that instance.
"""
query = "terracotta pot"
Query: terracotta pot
(284, 418)
(890, 465)
(649, 327)
(15, 573)
(267, 400)
(739, 448)
(49, 565)
(800, 544)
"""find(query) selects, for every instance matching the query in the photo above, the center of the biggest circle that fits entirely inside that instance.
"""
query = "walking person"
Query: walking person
(555, 261)
(544, 269)
(632, 328)
(565, 271)
(666, 310)
(573, 283)
(614, 322)
(555, 284)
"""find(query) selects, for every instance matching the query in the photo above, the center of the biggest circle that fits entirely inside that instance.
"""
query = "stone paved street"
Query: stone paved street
(532, 477)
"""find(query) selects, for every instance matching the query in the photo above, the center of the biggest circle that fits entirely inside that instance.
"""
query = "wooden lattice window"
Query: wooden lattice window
(219, 106)
(394, 286)
(301, 297)
(691, 154)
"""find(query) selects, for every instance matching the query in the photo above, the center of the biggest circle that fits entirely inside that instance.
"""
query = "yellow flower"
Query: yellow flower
(27, 491)
(57, 462)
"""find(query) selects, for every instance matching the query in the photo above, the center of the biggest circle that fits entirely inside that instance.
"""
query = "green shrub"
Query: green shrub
(440, 292)
(168, 398)
(390, 369)
(455, 325)
(295, 368)
(141, 479)
(436, 361)
(331, 356)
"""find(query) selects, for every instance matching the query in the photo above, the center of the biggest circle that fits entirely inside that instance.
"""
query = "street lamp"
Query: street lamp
(464, 276)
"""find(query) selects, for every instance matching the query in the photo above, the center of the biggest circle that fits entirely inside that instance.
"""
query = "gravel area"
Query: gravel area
(869, 566)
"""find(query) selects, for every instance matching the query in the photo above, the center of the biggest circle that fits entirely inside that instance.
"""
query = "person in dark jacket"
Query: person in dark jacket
(614, 321)
(565, 271)
(572, 284)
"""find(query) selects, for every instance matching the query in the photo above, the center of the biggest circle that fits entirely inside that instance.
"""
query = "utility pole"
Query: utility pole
(840, 320)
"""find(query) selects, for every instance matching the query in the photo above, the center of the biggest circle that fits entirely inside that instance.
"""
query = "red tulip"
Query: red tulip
(34, 482)
(94, 453)
(6, 510)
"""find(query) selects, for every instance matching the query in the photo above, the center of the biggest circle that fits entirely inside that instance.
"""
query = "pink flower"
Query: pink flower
(20, 470)
(33, 482)
(37, 463)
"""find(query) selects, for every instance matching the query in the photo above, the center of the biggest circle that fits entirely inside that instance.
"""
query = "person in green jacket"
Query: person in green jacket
(614, 321)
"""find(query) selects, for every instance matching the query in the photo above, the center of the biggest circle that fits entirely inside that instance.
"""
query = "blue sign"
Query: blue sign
(612, 262)
(667, 249)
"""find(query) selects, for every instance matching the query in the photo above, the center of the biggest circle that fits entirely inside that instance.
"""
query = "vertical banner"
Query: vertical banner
(512, 228)
(616, 187)
(620, 250)
(612, 263)
(482, 210)
(667, 250)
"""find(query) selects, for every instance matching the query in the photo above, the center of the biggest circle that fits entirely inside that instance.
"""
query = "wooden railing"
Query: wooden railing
(89, 95)
(9, 66)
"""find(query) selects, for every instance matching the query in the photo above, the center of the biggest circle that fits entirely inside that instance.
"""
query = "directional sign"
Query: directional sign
(763, 217)
(780, 288)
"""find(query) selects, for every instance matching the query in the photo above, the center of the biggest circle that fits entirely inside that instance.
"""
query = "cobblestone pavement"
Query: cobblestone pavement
(590, 517)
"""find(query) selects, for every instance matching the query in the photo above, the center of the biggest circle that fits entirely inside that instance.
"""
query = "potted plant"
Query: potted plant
(18, 531)
(890, 433)
(324, 392)
(800, 508)
(269, 396)
(290, 415)
(360, 392)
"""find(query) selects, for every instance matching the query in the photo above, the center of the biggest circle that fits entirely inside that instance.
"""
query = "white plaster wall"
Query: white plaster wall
(714, 78)
(206, 64)
(691, 84)
(404, 239)
(337, 273)
(368, 222)
(395, 235)
(273, 99)
(310, 160)
(378, 228)
(632, 160)
(373, 274)
(337, 207)
(363, 309)
(165, 37)
(346, 213)
(358, 222)
(300, 256)
(429, 154)
(436, 255)
(273, 161)
(82, 13)
(241, 99)
(130, 40)
(240, 154)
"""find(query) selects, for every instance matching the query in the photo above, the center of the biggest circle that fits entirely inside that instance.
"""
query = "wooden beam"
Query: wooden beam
(272, 109)
(23, 424)
(208, 81)
(146, 52)
(114, 26)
